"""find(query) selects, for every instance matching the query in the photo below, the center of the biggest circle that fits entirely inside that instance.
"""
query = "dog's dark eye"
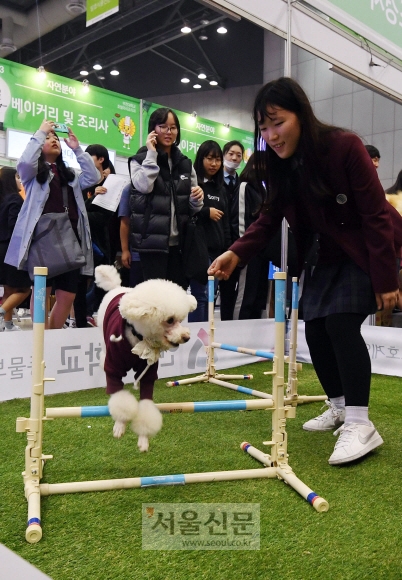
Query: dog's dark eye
(170, 320)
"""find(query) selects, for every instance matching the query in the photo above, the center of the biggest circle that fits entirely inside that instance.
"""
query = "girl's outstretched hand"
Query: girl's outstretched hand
(71, 141)
(224, 265)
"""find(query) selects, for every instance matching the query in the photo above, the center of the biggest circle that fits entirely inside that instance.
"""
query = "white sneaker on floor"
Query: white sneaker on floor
(355, 440)
(12, 329)
(331, 419)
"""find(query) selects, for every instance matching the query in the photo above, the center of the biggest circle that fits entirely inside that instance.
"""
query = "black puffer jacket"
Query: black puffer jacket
(151, 212)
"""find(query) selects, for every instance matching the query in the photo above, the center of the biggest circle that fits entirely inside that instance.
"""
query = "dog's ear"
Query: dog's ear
(131, 308)
(192, 303)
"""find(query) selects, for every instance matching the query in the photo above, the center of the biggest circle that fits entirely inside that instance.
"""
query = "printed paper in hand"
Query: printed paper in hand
(111, 199)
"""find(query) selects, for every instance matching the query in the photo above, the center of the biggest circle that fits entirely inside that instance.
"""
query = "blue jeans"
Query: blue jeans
(200, 293)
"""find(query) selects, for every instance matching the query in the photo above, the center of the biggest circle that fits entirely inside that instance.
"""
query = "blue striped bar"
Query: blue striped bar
(33, 521)
(295, 296)
(39, 299)
(211, 290)
(261, 353)
(101, 411)
(205, 406)
(245, 390)
(280, 300)
(163, 480)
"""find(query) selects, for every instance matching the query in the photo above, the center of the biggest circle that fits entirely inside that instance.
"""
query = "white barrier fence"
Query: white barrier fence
(72, 356)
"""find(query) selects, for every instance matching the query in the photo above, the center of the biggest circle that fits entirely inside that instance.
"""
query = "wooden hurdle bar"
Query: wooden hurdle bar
(275, 464)
(211, 376)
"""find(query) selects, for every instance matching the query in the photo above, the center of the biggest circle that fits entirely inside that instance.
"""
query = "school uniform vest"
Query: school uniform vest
(150, 215)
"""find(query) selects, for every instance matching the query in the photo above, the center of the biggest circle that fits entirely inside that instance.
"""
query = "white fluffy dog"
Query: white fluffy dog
(138, 323)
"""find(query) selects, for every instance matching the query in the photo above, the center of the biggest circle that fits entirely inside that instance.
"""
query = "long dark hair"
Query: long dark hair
(208, 148)
(397, 185)
(275, 172)
(159, 117)
(7, 180)
(248, 174)
(65, 173)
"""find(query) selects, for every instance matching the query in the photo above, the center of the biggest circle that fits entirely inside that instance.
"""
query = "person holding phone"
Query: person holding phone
(165, 193)
(44, 174)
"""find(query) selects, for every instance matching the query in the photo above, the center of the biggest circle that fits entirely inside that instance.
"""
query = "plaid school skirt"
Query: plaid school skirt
(336, 289)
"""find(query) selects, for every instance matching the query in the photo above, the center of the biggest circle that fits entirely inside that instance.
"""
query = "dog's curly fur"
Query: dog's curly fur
(149, 317)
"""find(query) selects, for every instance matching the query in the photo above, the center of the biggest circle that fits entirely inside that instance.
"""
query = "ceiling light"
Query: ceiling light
(197, 86)
(185, 29)
(213, 83)
(227, 127)
(222, 29)
(75, 7)
(101, 77)
(85, 85)
(203, 35)
(202, 75)
(204, 21)
(84, 72)
(41, 71)
(194, 114)
(114, 72)
(97, 66)
(185, 80)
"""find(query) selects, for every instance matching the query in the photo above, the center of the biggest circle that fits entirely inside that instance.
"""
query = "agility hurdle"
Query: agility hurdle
(211, 376)
(275, 464)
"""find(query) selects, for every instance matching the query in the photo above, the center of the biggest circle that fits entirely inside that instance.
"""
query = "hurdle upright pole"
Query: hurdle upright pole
(279, 436)
(34, 426)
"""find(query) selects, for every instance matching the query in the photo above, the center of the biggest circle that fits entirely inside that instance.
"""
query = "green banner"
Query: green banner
(95, 116)
(382, 16)
(377, 20)
(195, 130)
(100, 9)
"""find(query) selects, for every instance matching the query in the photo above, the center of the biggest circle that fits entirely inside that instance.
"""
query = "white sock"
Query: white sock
(339, 402)
(357, 415)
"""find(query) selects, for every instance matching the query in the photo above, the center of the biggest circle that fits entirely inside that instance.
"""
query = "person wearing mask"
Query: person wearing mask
(16, 283)
(214, 216)
(320, 178)
(43, 174)
(165, 194)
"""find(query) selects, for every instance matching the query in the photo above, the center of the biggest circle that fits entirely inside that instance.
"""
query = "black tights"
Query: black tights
(340, 357)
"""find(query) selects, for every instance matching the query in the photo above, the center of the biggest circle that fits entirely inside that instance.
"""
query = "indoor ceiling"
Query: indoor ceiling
(143, 41)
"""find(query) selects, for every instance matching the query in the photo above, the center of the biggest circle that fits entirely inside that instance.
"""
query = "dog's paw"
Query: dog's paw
(119, 428)
(143, 443)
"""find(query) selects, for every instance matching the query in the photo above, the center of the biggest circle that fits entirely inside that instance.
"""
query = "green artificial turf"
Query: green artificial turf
(88, 536)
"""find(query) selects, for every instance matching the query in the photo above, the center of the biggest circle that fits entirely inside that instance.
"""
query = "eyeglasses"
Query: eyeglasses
(166, 129)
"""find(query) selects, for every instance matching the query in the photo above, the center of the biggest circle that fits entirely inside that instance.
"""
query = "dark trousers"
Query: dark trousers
(340, 357)
(227, 293)
(167, 266)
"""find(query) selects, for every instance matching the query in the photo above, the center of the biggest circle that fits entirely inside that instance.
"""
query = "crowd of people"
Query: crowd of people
(345, 238)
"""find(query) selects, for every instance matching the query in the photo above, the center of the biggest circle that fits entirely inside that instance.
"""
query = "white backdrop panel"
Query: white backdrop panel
(72, 356)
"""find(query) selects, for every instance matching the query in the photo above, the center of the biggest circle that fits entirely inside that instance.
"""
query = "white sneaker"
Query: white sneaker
(327, 421)
(12, 329)
(355, 440)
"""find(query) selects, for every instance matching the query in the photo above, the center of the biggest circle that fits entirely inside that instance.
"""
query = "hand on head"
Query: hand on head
(151, 141)
(224, 265)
